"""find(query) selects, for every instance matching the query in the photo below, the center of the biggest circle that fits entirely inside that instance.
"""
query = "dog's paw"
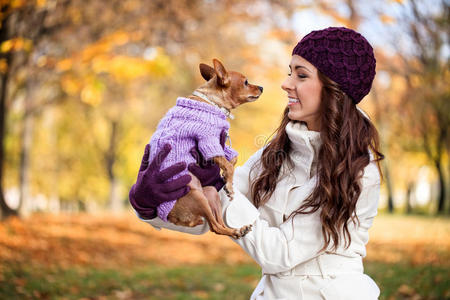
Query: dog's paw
(237, 234)
(231, 197)
(245, 229)
(229, 191)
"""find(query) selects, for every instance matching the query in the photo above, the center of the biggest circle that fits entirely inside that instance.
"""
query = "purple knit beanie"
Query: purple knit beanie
(343, 55)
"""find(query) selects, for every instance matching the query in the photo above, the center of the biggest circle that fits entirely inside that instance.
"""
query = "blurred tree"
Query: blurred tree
(108, 56)
(23, 28)
(425, 69)
(5, 59)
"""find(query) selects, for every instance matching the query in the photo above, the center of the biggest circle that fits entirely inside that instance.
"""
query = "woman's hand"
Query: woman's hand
(151, 188)
(207, 171)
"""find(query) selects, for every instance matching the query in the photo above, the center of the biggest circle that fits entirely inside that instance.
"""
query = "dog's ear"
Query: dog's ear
(223, 79)
(207, 71)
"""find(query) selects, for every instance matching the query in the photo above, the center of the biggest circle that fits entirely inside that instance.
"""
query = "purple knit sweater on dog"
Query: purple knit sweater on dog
(186, 124)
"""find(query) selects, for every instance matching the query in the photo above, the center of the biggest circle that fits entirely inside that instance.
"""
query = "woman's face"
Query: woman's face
(303, 89)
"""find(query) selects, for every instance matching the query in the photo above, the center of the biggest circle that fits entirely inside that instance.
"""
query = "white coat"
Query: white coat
(287, 250)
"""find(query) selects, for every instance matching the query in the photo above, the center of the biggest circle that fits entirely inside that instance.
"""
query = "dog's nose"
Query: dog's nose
(260, 88)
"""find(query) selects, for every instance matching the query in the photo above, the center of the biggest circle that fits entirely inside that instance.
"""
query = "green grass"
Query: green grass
(430, 282)
(194, 282)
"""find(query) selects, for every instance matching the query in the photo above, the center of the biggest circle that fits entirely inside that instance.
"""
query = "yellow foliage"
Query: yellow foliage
(105, 45)
(16, 44)
(3, 66)
(101, 58)
(101, 63)
(41, 3)
(70, 85)
(15, 3)
(125, 68)
(119, 38)
(92, 94)
(387, 19)
(64, 65)
(416, 80)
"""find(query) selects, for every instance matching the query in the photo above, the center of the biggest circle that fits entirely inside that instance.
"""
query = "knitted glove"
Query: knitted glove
(151, 188)
(207, 171)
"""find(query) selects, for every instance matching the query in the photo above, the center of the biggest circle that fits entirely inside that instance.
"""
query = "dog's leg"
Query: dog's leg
(214, 223)
(228, 173)
(192, 206)
(189, 210)
(234, 161)
(216, 207)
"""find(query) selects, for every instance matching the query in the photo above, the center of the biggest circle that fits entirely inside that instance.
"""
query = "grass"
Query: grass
(218, 281)
(145, 282)
(93, 257)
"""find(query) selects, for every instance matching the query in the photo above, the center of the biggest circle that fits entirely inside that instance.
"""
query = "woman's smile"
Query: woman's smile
(293, 101)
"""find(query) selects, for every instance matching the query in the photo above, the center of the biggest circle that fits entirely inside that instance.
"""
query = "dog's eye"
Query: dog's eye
(246, 82)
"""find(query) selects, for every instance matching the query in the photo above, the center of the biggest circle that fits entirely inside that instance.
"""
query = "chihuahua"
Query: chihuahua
(198, 121)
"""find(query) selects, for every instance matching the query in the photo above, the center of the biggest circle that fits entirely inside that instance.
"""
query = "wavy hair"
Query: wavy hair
(346, 137)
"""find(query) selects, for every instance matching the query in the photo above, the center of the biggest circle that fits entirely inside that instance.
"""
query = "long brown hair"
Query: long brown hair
(346, 138)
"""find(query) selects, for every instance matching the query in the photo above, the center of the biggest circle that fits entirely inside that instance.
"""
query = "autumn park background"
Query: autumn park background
(83, 85)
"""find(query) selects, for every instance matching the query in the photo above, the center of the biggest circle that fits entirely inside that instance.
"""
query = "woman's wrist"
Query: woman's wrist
(144, 212)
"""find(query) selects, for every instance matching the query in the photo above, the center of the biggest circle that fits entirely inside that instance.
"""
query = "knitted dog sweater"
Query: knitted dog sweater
(187, 124)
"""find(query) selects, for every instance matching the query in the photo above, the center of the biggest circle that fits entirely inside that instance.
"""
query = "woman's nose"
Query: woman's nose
(287, 85)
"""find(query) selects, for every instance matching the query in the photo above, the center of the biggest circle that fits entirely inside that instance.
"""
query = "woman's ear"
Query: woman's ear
(223, 79)
(207, 71)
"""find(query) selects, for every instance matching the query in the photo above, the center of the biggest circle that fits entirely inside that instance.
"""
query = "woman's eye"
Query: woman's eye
(302, 76)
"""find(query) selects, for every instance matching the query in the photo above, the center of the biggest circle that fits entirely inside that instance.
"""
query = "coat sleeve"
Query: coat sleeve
(158, 224)
(299, 238)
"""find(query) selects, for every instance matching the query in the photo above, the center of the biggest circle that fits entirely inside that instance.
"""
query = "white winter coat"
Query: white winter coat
(287, 250)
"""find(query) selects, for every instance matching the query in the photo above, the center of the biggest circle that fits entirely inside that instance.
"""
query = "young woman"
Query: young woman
(311, 194)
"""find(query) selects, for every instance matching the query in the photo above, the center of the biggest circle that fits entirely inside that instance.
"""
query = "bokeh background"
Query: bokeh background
(83, 85)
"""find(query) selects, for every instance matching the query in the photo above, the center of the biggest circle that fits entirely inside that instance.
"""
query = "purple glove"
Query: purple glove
(151, 188)
(207, 171)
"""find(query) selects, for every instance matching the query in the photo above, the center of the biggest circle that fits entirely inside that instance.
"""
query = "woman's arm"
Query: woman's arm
(157, 223)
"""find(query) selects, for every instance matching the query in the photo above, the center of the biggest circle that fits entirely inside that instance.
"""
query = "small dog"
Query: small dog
(198, 120)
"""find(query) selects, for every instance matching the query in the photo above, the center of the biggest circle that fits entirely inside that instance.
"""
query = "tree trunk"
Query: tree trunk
(409, 190)
(387, 178)
(25, 206)
(116, 205)
(54, 201)
(5, 210)
(114, 202)
(442, 190)
(447, 147)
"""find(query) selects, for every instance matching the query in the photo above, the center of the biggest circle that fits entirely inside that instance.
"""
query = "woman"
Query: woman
(311, 194)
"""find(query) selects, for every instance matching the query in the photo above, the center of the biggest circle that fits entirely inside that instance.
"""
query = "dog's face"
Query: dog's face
(232, 88)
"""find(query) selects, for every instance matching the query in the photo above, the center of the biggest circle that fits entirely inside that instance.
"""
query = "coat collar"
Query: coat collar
(305, 146)
(303, 141)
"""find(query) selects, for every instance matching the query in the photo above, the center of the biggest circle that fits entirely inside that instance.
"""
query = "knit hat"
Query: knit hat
(343, 55)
